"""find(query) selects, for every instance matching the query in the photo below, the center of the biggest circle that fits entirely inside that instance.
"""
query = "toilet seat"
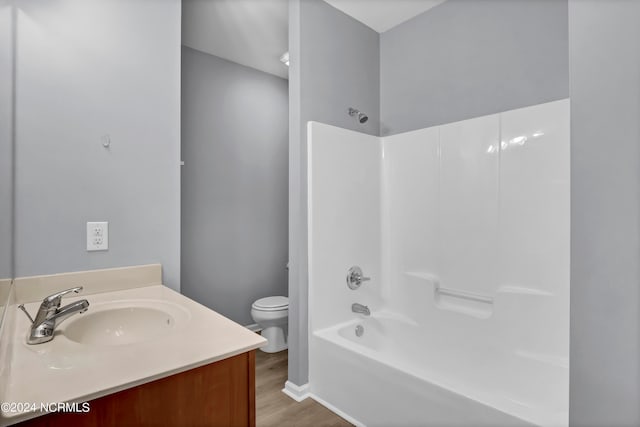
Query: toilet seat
(271, 304)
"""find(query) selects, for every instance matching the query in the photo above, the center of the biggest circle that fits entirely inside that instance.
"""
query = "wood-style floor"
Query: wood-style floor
(276, 409)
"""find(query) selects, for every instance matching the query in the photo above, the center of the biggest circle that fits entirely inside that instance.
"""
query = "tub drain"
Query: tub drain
(359, 330)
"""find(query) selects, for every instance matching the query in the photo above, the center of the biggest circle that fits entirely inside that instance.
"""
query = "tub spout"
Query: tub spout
(359, 308)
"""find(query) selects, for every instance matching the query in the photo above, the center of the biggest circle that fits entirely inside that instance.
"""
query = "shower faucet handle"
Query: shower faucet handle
(355, 277)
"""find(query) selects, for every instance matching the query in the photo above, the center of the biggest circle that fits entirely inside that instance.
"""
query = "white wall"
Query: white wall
(411, 187)
(479, 207)
(87, 68)
(534, 226)
(468, 204)
(344, 220)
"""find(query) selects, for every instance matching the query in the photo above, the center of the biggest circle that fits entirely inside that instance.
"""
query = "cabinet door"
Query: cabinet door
(219, 394)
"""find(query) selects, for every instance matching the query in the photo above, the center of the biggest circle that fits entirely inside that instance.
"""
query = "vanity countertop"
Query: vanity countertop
(63, 370)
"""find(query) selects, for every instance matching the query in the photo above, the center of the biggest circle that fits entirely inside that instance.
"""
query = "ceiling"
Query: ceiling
(382, 15)
(250, 32)
(255, 32)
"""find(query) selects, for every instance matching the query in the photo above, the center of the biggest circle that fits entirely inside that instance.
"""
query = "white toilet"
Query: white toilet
(272, 315)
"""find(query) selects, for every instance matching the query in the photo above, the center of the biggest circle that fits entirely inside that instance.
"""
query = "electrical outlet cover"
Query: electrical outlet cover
(97, 236)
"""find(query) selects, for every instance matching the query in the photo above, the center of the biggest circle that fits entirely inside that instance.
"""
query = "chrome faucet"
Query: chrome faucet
(359, 308)
(50, 315)
(355, 277)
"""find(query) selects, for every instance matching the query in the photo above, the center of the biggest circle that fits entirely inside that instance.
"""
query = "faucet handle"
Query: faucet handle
(24, 310)
(355, 277)
(54, 300)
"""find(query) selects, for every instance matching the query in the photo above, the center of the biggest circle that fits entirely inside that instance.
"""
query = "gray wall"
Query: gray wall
(87, 68)
(604, 39)
(470, 58)
(234, 184)
(6, 138)
(334, 66)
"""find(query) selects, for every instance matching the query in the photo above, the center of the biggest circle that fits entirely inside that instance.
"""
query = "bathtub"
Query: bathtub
(400, 374)
(463, 229)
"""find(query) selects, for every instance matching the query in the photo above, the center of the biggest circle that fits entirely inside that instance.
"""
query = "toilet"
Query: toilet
(272, 315)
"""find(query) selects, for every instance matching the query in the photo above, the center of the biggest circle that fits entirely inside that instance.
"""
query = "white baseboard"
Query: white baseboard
(254, 327)
(297, 393)
(300, 393)
(335, 410)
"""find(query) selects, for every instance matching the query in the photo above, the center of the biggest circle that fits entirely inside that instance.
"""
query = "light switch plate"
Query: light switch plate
(97, 236)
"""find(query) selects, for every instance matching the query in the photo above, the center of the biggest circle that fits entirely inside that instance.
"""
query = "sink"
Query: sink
(124, 322)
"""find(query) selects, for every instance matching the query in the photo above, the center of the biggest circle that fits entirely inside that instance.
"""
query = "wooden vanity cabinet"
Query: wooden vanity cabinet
(219, 394)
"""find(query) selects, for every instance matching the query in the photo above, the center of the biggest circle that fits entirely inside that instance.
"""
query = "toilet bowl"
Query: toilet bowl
(272, 315)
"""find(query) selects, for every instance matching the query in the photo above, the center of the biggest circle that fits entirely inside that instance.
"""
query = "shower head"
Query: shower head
(362, 117)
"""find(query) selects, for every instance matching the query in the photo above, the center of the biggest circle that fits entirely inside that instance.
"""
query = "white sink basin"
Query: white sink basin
(124, 322)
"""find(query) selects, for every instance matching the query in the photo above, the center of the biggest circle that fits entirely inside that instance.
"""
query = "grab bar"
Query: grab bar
(463, 294)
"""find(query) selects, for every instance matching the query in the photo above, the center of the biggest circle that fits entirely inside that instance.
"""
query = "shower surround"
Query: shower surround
(464, 231)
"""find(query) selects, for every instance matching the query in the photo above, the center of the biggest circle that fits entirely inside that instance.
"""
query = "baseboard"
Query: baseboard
(335, 410)
(297, 393)
(300, 393)
(254, 327)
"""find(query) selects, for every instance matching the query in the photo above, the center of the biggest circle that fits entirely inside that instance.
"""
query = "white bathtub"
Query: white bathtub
(398, 374)
(463, 229)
